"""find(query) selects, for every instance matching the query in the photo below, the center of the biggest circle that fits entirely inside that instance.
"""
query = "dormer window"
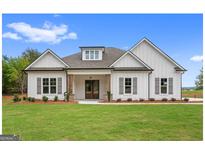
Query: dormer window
(92, 55)
(92, 52)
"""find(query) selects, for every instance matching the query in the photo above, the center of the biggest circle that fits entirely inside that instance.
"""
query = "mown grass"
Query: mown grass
(102, 122)
(192, 93)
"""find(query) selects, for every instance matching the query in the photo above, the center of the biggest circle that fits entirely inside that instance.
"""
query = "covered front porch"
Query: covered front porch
(88, 85)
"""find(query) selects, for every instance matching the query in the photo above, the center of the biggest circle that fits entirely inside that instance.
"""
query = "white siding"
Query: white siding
(79, 85)
(163, 68)
(48, 60)
(128, 61)
(32, 83)
(142, 85)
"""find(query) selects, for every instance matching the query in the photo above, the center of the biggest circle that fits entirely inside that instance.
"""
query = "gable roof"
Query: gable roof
(29, 67)
(109, 56)
(179, 67)
(135, 57)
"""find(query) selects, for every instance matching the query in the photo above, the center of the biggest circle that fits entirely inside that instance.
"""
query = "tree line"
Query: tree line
(14, 79)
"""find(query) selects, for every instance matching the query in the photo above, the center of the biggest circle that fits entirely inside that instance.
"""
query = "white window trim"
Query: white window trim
(131, 86)
(161, 86)
(49, 86)
(89, 54)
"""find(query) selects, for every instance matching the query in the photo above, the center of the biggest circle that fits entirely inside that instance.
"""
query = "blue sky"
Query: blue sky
(179, 35)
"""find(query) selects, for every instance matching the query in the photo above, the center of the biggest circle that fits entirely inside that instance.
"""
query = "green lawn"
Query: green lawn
(192, 93)
(102, 122)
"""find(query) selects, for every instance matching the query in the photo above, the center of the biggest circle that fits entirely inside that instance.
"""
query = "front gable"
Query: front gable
(153, 56)
(48, 60)
(128, 61)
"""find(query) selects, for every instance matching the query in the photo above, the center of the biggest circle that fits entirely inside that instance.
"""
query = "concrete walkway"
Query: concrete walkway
(195, 99)
(88, 101)
(189, 103)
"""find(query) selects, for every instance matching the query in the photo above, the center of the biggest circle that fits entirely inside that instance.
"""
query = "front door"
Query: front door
(91, 89)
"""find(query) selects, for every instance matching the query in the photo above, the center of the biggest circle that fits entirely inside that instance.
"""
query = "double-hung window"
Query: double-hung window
(52, 85)
(49, 86)
(45, 85)
(128, 85)
(163, 85)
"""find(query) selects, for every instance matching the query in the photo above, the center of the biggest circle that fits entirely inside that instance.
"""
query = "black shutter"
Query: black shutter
(121, 85)
(59, 85)
(135, 85)
(38, 85)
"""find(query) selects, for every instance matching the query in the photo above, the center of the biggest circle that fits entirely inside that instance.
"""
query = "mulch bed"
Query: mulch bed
(48, 102)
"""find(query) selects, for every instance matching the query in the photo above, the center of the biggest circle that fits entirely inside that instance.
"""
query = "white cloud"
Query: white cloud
(196, 58)
(48, 33)
(13, 36)
(72, 36)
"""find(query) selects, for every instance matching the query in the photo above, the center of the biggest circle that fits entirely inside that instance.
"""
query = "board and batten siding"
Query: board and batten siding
(128, 61)
(163, 68)
(48, 60)
(142, 84)
(32, 83)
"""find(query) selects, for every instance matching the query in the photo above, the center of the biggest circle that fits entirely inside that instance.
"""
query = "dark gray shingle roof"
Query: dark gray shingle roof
(110, 55)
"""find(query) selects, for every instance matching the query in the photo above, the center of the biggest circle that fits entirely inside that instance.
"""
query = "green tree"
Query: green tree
(199, 80)
(13, 78)
(16, 74)
(6, 81)
(31, 54)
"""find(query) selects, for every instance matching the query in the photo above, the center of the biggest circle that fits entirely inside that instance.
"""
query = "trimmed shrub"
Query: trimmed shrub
(33, 99)
(151, 99)
(119, 100)
(45, 98)
(24, 98)
(141, 99)
(173, 99)
(186, 99)
(55, 98)
(129, 99)
(16, 98)
(29, 99)
(164, 99)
